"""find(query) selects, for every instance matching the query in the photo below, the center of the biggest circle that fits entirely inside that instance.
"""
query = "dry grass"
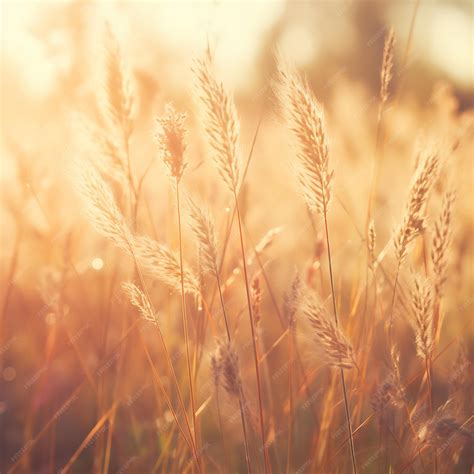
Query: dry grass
(235, 317)
(337, 349)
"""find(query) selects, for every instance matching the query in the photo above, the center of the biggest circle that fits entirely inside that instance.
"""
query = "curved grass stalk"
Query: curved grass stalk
(185, 320)
(252, 329)
(344, 390)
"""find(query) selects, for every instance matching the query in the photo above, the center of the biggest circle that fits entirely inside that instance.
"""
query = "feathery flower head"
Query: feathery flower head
(422, 321)
(387, 65)
(335, 345)
(225, 366)
(305, 117)
(140, 300)
(414, 222)
(221, 123)
(441, 239)
(171, 138)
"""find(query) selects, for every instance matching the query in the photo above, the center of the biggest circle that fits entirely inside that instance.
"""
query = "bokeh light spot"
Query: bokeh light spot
(9, 374)
(97, 264)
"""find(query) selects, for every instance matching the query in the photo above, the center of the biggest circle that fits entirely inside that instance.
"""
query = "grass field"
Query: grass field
(228, 249)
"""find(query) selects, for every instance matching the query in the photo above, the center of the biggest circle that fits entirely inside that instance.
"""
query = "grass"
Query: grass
(258, 315)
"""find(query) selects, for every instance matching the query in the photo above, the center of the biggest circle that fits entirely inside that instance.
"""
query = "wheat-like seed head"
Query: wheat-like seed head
(371, 238)
(387, 65)
(305, 118)
(118, 96)
(441, 240)
(395, 357)
(442, 429)
(203, 227)
(291, 300)
(109, 156)
(171, 138)
(221, 124)
(256, 295)
(422, 320)
(155, 258)
(392, 386)
(100, 205)
(336, 347)
(460, 370)
(111, 133)
(160, 262)
(215, 371)
(388, 393)
(414, 222)
(225, 365)
(267, 239)
(140, 301)
(264, 243)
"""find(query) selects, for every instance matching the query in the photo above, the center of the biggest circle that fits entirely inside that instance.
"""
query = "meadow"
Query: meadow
(205, 273)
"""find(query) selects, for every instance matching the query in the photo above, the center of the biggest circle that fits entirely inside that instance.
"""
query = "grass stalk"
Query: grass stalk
(344, 390)
(244, 428)
(290, 397)
(168, 359)
(185, 319)
(429, 388)
(392, 305)
(242, 414)
(252, 328)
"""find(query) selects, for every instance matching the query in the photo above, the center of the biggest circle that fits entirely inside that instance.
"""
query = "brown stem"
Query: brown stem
(219, 286)
(242, 416)
(290, 396)
(163, 392)
(392, 304)
(374, 174)
(221, 428)
(244, 427)
(185, 319)
(344, 390)
(429, 388)
(257, 369)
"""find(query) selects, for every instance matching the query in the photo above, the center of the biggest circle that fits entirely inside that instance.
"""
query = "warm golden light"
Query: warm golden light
(236, 237)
